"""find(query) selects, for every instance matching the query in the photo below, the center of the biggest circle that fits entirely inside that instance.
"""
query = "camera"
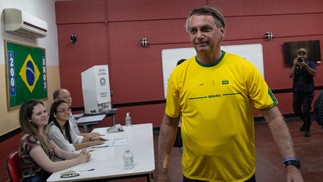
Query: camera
(299, 60)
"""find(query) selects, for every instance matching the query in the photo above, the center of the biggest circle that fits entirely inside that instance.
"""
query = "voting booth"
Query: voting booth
(96, 89)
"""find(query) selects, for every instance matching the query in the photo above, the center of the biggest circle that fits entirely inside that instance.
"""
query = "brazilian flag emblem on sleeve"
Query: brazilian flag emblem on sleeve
(26, 73)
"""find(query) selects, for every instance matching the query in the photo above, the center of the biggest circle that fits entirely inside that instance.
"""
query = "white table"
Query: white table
(108, 161)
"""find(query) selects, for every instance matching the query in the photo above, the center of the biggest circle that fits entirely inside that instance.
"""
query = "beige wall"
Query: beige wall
(9, 120)
(44, 10)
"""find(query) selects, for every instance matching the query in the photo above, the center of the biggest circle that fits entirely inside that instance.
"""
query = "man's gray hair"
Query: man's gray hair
(207, 10)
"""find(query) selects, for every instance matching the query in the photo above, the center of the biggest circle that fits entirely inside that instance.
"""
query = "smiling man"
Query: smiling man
(215, 92)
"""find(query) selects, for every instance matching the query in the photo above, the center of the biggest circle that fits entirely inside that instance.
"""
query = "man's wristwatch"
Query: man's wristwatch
(292, 161)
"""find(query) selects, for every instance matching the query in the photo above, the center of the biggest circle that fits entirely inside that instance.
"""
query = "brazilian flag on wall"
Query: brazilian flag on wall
(26, 73)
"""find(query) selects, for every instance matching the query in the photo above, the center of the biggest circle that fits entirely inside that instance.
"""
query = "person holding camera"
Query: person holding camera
(302, 73)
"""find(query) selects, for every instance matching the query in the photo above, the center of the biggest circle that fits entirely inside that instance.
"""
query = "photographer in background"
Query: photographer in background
(302, 73)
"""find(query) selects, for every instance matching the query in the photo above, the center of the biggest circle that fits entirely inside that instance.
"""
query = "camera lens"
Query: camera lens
(300, 60)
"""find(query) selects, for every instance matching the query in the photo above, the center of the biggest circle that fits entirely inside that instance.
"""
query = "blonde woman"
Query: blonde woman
(36, 150)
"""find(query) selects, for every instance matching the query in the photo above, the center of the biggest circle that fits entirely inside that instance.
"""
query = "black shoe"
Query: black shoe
(302, 129)
(307, 133)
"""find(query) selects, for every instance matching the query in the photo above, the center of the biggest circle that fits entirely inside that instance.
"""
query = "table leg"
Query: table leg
(85, 128)
(113, 119)
(150, 177)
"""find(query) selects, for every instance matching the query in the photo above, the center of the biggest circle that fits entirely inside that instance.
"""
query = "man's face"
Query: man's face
(302, 55)
(204, 34)
(65, 95)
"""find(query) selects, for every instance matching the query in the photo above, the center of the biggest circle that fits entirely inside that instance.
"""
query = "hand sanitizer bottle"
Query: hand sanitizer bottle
(128, 159)
(128, 119)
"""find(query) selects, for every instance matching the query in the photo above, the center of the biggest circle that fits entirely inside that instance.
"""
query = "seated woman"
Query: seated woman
(62, 134)
(36, 150)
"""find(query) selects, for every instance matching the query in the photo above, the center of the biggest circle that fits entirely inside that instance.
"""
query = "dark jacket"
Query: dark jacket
(303, 82)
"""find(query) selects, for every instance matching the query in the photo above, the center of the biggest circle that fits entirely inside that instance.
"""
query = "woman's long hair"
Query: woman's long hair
(52, 118)
(28, 127)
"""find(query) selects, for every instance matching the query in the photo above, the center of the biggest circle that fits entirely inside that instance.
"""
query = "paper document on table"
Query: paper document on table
(117, 142)
(112, 143)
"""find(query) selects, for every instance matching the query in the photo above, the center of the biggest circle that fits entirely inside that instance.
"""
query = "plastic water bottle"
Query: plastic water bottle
(128, 159)
(128, 119)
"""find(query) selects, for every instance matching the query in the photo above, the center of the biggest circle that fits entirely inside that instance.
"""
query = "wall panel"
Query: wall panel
(282, 26)
(129, 10)
(273, 7)
(136, 72)
(91, 49)
(80, 11)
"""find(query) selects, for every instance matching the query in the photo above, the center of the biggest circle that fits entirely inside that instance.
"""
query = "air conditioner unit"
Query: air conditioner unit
(16, 21)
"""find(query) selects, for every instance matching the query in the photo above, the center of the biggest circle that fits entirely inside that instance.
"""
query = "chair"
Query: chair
(13, 167)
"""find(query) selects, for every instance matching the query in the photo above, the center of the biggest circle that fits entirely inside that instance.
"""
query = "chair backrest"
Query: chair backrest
(13, 167)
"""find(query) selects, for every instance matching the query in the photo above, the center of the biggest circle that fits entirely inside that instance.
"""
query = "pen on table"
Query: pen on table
(102, 146)
(86, 170)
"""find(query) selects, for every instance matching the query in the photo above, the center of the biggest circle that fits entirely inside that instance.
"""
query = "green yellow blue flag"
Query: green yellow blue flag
(26, 73)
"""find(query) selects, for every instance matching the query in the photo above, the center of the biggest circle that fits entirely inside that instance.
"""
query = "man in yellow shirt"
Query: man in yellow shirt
(215, 93)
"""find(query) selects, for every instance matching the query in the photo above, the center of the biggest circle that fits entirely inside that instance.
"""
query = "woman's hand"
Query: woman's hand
(97, 139)
(84, 156)
(97, 142)
(94, 134)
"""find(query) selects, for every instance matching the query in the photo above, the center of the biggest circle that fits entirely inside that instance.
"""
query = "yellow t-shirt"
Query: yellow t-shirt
(216, 103)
